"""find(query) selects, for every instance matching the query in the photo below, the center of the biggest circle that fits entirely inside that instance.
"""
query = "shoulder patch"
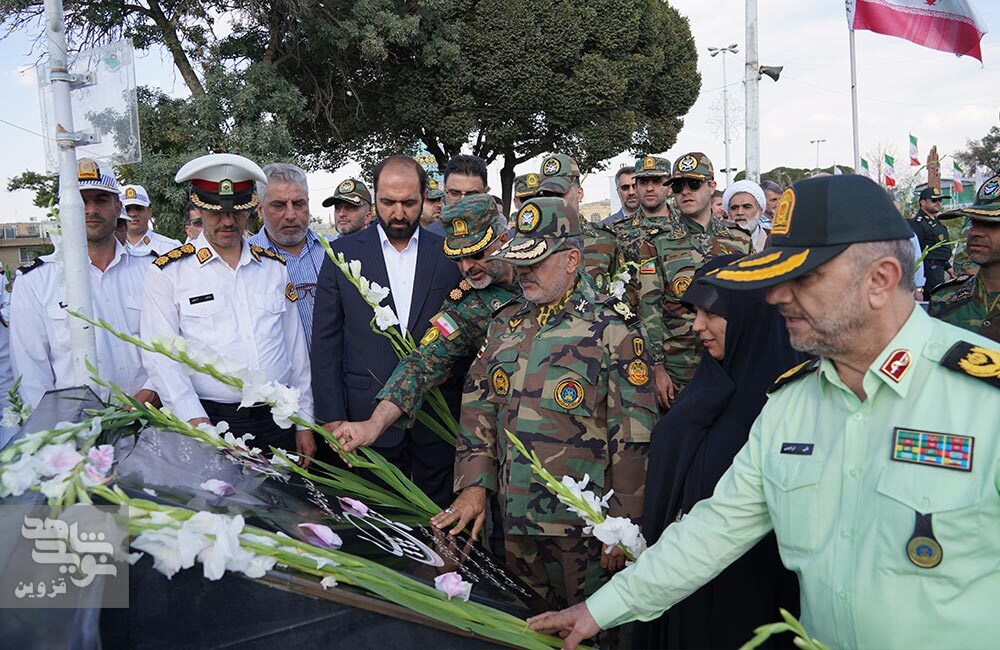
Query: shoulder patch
(975, 361)
(260, 251)
(27, 268)
(794, 374)
(173, 255)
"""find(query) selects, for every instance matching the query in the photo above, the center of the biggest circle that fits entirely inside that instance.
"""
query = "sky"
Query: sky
(903, 89)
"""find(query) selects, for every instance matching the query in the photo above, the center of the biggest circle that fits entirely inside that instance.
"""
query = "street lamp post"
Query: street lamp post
(817, 143)
(732, 49)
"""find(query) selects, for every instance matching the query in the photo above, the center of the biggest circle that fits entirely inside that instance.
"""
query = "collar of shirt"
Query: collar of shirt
(121, 256)
(414, 240)
(200, 242)
(894, 365)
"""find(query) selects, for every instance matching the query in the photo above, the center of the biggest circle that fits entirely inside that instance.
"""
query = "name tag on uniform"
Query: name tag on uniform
(200, 299)
(797, 448)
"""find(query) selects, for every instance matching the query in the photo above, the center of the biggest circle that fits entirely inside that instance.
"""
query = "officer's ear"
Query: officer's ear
(884, 276)
(573, 259)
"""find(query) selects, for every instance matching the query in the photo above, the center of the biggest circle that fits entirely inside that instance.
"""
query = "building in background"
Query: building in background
(21, 243)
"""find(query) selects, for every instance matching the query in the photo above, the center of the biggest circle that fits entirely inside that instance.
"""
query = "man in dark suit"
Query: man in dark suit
(350, 362)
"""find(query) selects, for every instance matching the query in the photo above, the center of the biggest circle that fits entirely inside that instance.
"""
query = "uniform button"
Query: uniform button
(858, 416)
(842, 595)
(845, 533)
(925, 502)
(784, 481)
(853, 473)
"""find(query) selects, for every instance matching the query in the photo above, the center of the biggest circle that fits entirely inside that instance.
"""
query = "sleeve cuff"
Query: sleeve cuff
(189, 409)
(607, 607)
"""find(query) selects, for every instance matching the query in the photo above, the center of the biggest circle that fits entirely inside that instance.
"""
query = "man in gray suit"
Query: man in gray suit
(625, 186)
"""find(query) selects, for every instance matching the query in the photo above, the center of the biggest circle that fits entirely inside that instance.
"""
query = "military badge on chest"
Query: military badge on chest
(638, 370)
(501, 382)
(568, 394)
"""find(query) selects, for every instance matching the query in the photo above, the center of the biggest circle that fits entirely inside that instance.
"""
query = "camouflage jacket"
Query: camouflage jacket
(599, 247)
(963, 302)
(455, 334)
(578, 390)
(686, 248)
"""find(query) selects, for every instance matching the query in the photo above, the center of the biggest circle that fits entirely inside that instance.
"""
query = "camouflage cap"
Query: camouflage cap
(543, 224)
(470, 225)
(434, 191)
(986, 207)
(351, 191)
(650, 166)
(558, 172)
(694, 165)
(526, 185)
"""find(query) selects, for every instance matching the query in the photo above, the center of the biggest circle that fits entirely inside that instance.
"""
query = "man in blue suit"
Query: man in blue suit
(350, 362)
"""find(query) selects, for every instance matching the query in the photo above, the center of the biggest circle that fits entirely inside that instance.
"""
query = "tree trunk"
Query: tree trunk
(507, 179)
(173, 44)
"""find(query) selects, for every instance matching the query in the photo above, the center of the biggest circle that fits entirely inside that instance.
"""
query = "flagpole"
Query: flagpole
(854, 105)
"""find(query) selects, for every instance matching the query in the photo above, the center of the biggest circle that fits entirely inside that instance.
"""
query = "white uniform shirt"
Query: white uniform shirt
(402, 269)
(241, 314)
(39, 326)
(152, 243)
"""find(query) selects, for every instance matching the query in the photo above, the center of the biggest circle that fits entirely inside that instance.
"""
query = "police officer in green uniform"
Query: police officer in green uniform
(474, 228)
(973, 301)
(930, 231)
(886, 505)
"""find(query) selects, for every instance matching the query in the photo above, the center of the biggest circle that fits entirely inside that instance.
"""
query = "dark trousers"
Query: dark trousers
(429, 463)
(251, 419)
(935, 273)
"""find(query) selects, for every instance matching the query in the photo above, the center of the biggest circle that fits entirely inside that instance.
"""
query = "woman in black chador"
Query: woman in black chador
(745, 349)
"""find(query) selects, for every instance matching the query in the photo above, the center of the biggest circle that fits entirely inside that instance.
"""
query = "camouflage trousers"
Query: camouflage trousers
(563, 570)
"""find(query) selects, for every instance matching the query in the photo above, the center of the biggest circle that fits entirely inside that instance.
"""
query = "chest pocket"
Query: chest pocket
(133, 311)
(964, 523)
(792, 490)
(60, 325)
(202, 308)
(572, 381)
(500, 376)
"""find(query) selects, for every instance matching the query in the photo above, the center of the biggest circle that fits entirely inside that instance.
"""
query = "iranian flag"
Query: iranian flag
(914, 153)
(946, 25)
(865, 168)
(956, 179)
(890, 171)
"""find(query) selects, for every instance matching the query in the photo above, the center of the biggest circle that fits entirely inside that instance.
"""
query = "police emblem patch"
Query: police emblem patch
(432, 183)
(528, 218)
(638, 372)
(569, 393)
(346, 186)
(680, 285)
(687, 164)
(990, 188)
(551, 166)
(783, 213)
(225, 187)
(934, 449)
(648, 163)
(430, 336)
(204, 254)
(925, 552)
(531, 181)
(291, 292)
(129, 192)
(501, 382)
(896, 365)
(459, 227)
(87, 171)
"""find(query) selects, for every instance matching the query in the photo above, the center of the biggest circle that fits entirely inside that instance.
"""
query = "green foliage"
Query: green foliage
(45, 187)
(786, 176)
(984, 152)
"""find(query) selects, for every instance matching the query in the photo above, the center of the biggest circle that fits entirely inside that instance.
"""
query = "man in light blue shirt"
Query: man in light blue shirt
(284, 209)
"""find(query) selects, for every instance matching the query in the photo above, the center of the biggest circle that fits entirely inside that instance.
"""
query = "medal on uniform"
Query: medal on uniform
(501, 382)
(638, 372)
(923, 548)
(569, 394)
(934, 449)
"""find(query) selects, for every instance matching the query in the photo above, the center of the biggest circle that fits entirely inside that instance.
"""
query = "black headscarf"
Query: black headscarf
(695, 442)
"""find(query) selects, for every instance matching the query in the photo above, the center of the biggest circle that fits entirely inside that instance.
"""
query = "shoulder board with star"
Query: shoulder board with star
(961, 292)
(459, 293)
(976, 361)
(794, 374)
(27, 268)
(174, 255)
(260, 251)
(623, 309)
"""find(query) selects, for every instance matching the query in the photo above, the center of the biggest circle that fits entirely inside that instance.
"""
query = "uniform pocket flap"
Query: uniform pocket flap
(202, 305)
(789, 472)
(927, 489)
(56, 312)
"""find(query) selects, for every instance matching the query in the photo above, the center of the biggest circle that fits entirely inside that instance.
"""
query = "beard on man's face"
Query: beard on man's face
(398, 229)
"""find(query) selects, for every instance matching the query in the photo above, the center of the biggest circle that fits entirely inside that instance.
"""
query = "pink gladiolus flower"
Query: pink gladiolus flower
(320, 535)
(56, 460)
(451, 585)
(218, 488)
(353, 507)
(102, 458)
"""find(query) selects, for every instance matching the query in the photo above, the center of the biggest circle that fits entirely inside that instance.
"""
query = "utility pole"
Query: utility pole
(817, 143)
(752, 81)
(732, 49)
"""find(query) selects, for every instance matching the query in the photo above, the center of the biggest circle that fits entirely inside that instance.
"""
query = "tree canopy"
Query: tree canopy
(982, 153)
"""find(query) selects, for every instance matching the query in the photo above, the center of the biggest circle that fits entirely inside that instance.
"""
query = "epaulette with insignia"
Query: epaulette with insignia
(175, 254)
(257, 251)
(795, 373)
(975, 361)
(461, 291)
(961, 294)
(624, 310)
(31, 267)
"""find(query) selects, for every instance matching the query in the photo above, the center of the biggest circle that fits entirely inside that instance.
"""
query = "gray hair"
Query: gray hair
(864, 254)
(572, 242)
(282, 173)
(771, 185)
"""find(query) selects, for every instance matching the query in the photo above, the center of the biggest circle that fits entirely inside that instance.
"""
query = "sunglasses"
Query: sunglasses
(936, 199)
(692, 183)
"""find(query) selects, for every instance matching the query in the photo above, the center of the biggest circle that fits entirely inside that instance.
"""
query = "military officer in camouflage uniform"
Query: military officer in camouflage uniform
(695, 237)
(474, 229)
(525, 187)
(567, 371)
(973, 301)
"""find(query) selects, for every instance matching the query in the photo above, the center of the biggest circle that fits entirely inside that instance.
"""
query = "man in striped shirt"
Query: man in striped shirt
(284, 209)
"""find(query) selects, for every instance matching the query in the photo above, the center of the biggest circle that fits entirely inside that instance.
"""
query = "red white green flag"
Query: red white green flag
(956, 180)
(865, 168)
(914, 152)
(946, 25)
(890, 171)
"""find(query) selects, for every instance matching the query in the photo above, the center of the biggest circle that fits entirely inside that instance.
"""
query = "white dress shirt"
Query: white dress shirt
(402, 269)
(39, 326)
(244, 315)
(152, 243)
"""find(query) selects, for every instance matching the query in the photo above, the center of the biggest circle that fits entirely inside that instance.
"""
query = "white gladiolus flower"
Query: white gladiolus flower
(619, 530)
(56, 487)
(55, 460)
(377, 293)
(385, 317)
(17, 477)
(11, 417)
(617, 289)
(222, 552)
(328, 582)
(355, 269)
(587, 496)
(283, 400)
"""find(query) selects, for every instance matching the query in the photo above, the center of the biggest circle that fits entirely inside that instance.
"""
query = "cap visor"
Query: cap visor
(702, 295)
(983, 214)
(523, 251)
(772, 266)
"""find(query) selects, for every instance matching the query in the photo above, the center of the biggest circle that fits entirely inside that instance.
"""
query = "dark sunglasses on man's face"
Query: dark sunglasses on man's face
(678, 186)
(936, 199)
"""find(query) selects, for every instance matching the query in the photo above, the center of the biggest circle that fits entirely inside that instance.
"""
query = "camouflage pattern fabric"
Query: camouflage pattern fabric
(599, 246)
(441, 348)
(685, 249)
(964, 303)
(564, 571)
(578, 390)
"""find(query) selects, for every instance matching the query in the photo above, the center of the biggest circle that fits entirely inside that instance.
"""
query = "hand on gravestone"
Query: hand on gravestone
(470, 506)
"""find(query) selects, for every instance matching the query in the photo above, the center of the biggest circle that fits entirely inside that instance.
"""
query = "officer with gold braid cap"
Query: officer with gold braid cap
(223, 294)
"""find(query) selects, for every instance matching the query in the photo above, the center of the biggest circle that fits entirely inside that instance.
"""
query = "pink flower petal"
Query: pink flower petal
(218, 488)
(353, 507)
(452, 585)
(320, 535)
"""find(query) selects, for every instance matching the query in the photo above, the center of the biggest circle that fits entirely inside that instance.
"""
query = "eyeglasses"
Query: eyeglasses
(692, 183)
(455, 194)
(305, 289)
(195, 222)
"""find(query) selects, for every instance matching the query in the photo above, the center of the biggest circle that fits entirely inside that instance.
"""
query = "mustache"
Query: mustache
(529, 277)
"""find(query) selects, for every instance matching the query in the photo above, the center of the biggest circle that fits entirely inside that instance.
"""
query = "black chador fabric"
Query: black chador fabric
(692, 447)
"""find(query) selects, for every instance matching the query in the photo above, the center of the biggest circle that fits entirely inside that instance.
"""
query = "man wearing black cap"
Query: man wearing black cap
(354, 206)
(930, 231)
(883, 503)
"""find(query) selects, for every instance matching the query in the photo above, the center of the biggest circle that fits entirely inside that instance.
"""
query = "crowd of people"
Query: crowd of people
(744, 370)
